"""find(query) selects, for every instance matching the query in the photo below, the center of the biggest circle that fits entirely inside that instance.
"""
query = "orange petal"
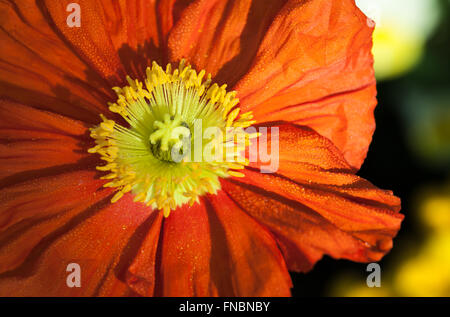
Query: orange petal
(246, 252)
(31, 210)
(337, 117)
(38, 68)
(141, 273)
(316, 57)
(132, 26)
(184, 260)
(221, 37)
(32, 140)
(316, 205)
(214, 249)
(169, 14)
(139, 29)
(95, 239)
(91, 40)
(46, 64)
(117, 37)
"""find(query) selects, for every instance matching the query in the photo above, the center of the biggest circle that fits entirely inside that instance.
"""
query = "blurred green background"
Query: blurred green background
(410, 154)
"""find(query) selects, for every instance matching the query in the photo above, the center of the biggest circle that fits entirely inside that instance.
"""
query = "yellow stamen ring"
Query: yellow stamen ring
(160, 112)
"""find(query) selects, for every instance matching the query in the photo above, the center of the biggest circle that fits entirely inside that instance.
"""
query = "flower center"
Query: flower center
(184, 133)
(168, 135)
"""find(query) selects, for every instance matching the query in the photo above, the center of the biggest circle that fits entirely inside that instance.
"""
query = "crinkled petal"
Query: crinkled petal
(315, 66)
(95, 239)
(221, 37)
(215, 249)
(32, 209)
(46, 64)
(35, 141)
(142, 256)
(39, 69)
(117, 37)
(185, 255)
(314, 203)
(249, 254)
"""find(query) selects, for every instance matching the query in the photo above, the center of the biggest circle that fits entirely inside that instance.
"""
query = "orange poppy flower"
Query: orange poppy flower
(302, 66)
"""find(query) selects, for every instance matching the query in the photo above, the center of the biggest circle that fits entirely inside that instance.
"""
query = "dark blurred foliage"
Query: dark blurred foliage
(396, 159)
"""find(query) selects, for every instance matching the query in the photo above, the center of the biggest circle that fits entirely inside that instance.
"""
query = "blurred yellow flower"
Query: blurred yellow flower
(423, 273)
(348, 285)
(396, 50)
(436, 212)
(428, 273)
(402, 28)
